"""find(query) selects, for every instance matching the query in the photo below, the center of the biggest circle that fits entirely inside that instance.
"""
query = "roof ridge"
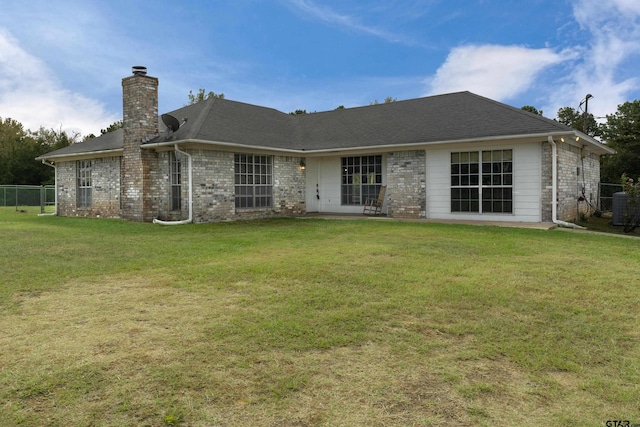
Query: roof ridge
(248, 104)
(201, 118)
(382, 104)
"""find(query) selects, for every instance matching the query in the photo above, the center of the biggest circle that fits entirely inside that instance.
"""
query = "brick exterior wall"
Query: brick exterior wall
(140, 122)
(578, 168)
(289, 186)
(406, 184)
(214, 188)
(547, 183)
(105, 194)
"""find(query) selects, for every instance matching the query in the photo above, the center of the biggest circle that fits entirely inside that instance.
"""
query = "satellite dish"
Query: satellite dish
(171, 122)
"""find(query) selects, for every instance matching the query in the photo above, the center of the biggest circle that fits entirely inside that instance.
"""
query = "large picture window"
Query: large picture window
(175, 173)
(361, 179)
(83, 184)
(253, 181)
(482, 181)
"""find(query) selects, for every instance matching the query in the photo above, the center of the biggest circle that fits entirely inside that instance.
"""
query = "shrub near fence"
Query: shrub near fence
(28, 195)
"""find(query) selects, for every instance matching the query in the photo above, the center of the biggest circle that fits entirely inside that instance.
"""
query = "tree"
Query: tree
(201, 96)
(575, 119)
(622, 133)
(113, 126)
(531, 109)
(297, 112)
(387, 100)
(19, 148)
(12, 137)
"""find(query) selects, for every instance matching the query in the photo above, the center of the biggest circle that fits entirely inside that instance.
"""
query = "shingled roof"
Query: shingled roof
(455, 117)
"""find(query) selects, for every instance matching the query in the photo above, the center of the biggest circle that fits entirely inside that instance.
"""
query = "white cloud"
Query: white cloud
(30, 94)
(614, 40)
(348, 22)
(494, 71)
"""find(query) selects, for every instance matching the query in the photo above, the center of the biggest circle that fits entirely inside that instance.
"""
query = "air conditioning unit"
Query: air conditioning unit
(620, 208)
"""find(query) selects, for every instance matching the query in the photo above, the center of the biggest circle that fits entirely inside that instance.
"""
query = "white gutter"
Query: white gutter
(86, 154)
(190, 219)
(55, 180)
(554, 186)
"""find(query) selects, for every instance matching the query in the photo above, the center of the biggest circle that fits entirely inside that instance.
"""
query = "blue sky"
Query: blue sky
(61, 62)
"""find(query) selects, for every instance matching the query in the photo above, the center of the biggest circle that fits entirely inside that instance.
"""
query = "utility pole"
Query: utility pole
(585, 114)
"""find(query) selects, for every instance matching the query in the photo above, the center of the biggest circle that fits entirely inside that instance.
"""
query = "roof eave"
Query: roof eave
(243, 147)
(86, 154)
(351, 148)
(592, 143)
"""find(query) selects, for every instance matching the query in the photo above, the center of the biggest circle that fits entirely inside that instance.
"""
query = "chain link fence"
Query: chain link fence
(606, 195)
(29, 195)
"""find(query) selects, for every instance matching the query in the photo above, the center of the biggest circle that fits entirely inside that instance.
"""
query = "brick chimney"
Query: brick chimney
(140, 123)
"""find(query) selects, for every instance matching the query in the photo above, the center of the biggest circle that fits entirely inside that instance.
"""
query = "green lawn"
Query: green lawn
(311, 322)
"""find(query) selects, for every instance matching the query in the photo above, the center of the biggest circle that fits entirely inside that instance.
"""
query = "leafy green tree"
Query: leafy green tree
(113, 126)
(19, 148)
(387, 100)
(575, 119)
(531, 109)
(202, 95)
(298, 112)
(622, 133)
(12, 139)
(51, 139)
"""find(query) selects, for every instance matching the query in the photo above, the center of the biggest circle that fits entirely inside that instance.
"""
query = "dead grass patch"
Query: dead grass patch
(128, 349)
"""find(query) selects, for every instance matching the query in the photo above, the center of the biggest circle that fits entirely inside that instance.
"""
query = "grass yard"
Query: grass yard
(604, 225)
(311, 322)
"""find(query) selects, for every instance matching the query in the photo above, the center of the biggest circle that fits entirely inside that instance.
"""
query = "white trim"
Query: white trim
(387, 147)
(81, 156)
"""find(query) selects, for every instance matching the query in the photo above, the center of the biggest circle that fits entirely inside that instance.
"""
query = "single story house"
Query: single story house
(453, 156)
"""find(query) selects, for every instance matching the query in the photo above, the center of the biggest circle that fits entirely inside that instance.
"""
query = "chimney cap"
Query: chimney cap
(139, 70)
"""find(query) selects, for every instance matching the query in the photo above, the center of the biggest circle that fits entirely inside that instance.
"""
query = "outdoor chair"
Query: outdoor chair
(374, 206)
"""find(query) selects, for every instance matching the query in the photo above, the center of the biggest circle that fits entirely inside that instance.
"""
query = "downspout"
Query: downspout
(55, 180)
(186, 221)
(554, 187)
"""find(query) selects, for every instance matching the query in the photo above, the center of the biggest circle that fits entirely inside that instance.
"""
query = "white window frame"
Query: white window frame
(84, 185)
(175, 182)
(253, 179)
(482, 181)
(361, 179)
